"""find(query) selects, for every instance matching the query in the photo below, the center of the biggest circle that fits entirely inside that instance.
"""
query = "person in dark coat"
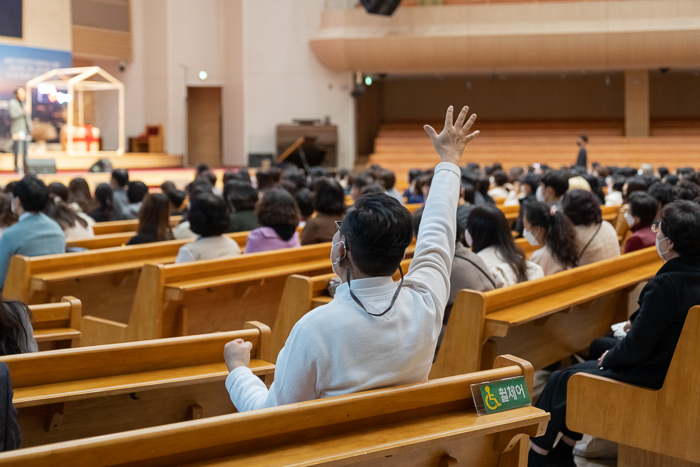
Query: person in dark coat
(11, 436)
(643, 357)
(528, 184)
(582, 159)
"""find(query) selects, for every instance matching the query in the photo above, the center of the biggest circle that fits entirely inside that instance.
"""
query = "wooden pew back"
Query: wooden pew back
(130, 225)
(652, 427)
(407, 425)
(543, 320)
(57, 325)
(75, 393)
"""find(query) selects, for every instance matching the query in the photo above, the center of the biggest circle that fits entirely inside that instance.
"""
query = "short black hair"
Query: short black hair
(636, 183)
(678, 222)
(663, 192)
(362, 180)
(388, 179)
(296, 177)
(136, 192)
(688, 190)
(167, 186)
(202, 167)
(208, 215)
(241, 195)
(377, 232)
(582, 207)
(305, 201)
(663, 171)
(374, 188)
(277, 207)
(176, 197)
(557, 180)
(644, 206)
(671, 179)
(500, 177)
(198, 186)
(584, 138)
(32, 193)
(329, 197)
(532, 180)
(414, 174)
(121, 176)
(468, 193)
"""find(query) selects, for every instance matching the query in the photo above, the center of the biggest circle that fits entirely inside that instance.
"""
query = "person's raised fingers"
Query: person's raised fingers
(467, 126)
(448, 117)
(462, 117)
(472, 136)
(431, 131)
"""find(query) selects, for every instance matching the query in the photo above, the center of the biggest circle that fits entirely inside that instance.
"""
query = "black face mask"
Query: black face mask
(393, 300)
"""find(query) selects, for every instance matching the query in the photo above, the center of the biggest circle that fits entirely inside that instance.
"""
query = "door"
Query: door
(204, 126)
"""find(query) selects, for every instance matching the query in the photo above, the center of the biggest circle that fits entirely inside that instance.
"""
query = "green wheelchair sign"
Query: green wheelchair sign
(502, 395)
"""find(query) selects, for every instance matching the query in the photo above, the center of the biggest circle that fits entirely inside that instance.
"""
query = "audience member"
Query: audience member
(119, 182)
(154, 221)
(413, 194)
(499, 190)
(688, 190)
(632, 184)
(35, 234)
(643, 357)
(209, 219)
(529, 184)
(359, 183)
(264, 180)
(465, 204)
(305, 202)
(594, 185)
(104, 195)
(167, 186)
(482, 191)
(329, 203)
(388, 180)
(278, 214)
(73, 225)
(16, 333)
(199, 186)
(664, 194)
(327, 351)
(176, 198)
(555, 232)
(642, 212)
(553, 186)
(488, 233)
(80, 199)
(596, 239)
(243, 198)
(7, 215)
(614, 196)
(58, 189)
(136, 193)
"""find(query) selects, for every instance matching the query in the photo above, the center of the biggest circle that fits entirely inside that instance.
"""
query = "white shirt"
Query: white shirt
(544, 258)
(78, 231)
(182, 231)
(613, 199)
(340, 349)
(214, 247)
(498, 192)
(502, 272)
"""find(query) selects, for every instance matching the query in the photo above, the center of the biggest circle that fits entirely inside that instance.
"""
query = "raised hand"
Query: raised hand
(450, 143)
(237, 353)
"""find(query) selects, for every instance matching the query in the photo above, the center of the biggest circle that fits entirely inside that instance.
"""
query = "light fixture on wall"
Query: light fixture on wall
(360, 87)
(203, 75)
(607, 80)
(368, 81)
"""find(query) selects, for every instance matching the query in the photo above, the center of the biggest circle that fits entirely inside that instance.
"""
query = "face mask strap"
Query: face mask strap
(340, 260)
(393, 300)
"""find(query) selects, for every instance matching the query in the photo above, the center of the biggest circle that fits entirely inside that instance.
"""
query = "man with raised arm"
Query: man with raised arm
(375, 333)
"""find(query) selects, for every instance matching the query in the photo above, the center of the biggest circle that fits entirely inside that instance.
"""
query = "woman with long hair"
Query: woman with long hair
(490, 238)
(7, 217)
(104, 195)
(596, 239)
(279, 216)
(154, 220)
(329, 204)
(73, 225)
(556, 234)
(79, 196)
(16, 333)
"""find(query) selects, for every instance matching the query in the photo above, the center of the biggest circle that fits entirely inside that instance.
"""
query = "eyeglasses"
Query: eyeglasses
(338, 225)
(656, 227)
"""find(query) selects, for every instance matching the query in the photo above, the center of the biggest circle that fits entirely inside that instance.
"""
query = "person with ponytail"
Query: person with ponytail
(488, 233)
(555, 232)
(16, 333)
(105, 199)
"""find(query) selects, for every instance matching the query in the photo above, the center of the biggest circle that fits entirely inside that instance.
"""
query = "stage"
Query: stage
(82, 162)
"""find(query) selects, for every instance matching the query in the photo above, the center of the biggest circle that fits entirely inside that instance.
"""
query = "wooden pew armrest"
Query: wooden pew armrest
(55, 334)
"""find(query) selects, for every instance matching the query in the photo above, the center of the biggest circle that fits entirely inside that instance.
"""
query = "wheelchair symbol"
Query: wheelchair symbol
(491, 401)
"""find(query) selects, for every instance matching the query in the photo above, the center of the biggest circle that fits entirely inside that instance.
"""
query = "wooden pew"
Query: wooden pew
(545, 320)
(130, 225)
(75, 393)
(120, 239)
(654, 428)
(57, 325)
(432, 423)
(209, 296)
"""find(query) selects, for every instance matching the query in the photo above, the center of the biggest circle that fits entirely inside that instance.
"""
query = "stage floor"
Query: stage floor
(82, 162)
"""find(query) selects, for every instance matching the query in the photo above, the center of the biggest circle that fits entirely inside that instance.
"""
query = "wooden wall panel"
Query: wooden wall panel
(102, 43)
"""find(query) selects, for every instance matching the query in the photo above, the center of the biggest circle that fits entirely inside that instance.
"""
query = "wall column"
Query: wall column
(637, 103)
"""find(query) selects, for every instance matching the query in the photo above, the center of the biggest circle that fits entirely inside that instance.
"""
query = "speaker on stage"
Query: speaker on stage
(103, 165)
(41, 166)
(381, 7)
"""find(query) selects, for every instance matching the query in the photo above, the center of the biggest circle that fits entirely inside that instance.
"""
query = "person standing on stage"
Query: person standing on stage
(20, 127)
(582, 159)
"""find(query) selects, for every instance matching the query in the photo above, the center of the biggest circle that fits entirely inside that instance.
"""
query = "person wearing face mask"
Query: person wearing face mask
(375, 333)
(643, 356)
(555, 233)
(35, 234)
(528, 186)
(553, 186)
(641, 214)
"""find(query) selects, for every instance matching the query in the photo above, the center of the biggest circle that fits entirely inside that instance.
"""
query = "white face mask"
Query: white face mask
(468, 238)
(530, 237)
(540, 194)
(12, 206)
(658, 250)
(339, 260)
(630, 219)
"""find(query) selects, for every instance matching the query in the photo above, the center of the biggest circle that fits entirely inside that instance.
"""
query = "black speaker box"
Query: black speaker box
(103, 165)
(381, 7)
(41, 166)
(255, 160)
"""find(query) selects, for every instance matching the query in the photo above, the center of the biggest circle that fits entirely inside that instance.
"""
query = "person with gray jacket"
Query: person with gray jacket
(20, 128)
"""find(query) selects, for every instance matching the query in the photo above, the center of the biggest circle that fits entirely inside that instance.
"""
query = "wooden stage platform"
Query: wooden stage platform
(82, 162)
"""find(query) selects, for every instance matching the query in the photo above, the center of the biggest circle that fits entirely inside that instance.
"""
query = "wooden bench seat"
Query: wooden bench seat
(75, 393)
(653, 428)
(131, 225)
(432, 423)
(544, 320)
(57, 325)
